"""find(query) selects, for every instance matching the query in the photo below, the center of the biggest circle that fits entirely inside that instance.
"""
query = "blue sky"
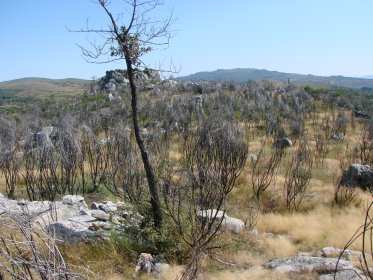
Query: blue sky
(322, 37)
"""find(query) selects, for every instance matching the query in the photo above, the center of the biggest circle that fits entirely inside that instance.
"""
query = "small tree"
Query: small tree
(9, 163)
(214, 157)
(129, 41)
(298, 176)
(264, 171)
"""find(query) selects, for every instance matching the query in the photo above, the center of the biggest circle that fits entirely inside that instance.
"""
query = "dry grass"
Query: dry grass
(280, 247)
(321, 227)
(318, 225)
(102, 259)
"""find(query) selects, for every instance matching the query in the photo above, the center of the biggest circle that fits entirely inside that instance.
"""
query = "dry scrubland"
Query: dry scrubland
(279, 232)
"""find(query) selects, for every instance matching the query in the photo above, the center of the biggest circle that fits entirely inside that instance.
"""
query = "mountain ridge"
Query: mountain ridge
(244, 74)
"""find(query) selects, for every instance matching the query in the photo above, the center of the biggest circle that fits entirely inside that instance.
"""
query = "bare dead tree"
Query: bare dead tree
(70, 156)
(195, 193)
(128, 39)
(364, 147)
(10, 165)
(41, 166)
(322, 149)
(326, 125)
(94, 152)
(264, 171)
(9, 162)
(28, 251)
(298, 176)
(124, 175)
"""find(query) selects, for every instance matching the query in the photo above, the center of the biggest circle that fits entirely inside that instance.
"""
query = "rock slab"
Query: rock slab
(301, 264)
(233, 225)
(358, 175)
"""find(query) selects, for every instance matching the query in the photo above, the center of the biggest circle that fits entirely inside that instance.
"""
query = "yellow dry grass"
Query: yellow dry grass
(320, 227)
(280, 247)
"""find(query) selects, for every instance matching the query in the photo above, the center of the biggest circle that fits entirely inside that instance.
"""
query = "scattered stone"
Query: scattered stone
(359, 112)
(99, 215)
(151, 265)
(71, 220)
(22, 202)
(337, 137)
(233, 225)
(102, 225)
(107, 206)
(301, 264)
(73, 231)
(358, 175)
(95, 205)
(84, 212)
(282, 143)
(117, 220)
(72, 199)
(251, 157)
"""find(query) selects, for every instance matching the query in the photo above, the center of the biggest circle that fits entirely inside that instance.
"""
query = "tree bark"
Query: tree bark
(149, 170)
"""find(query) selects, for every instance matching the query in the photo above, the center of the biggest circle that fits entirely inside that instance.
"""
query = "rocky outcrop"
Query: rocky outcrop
(151, 265)
(43, 212)
(116, 80)
(359, 112)
(329, 252)
(358, 175)
(71, 220)
(230, 224)
(303, 264)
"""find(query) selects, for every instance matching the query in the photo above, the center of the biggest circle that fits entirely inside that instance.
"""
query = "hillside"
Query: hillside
(15, 94)
(244, 74)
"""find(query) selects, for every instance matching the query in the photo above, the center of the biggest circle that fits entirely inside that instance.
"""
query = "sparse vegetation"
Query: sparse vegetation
(198, 147)
(187, 157)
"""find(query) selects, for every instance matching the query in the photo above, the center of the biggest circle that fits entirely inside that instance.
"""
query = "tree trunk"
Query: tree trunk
(150, 176)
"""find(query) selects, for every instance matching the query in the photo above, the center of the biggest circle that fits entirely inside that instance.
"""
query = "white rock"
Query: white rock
(334, 252)
(22, 202)
(343, 275)
(233, 225)
(302, 264)
(251, 157)
(73, 232)
(99, 215)
(72, 199)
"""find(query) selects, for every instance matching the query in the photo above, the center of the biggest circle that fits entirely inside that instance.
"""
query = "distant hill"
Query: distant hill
(15, 94)
(367, 77)
(244, 74)
(43, 88)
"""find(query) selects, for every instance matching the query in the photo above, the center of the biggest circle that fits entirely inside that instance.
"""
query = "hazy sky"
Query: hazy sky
(322, 37)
